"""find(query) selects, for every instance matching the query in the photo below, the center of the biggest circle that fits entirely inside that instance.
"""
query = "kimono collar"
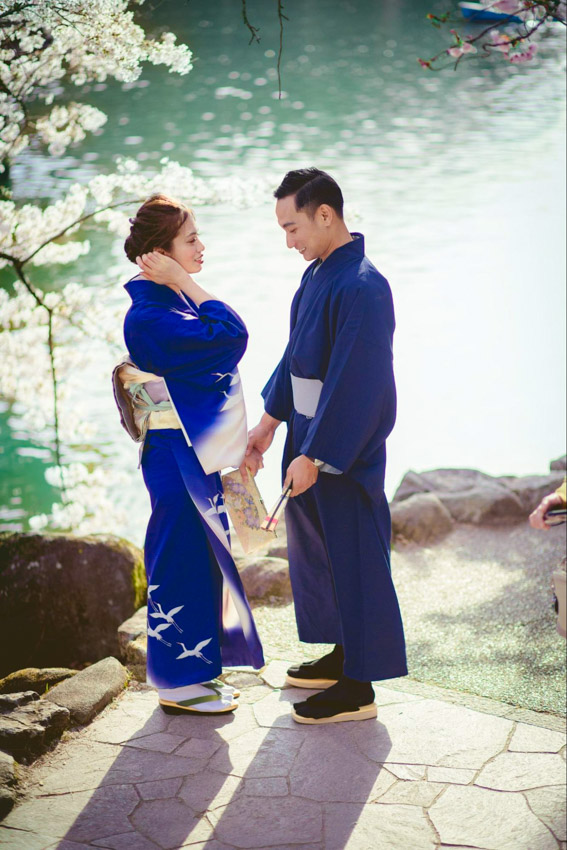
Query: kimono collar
(141, 290)
(349, 251)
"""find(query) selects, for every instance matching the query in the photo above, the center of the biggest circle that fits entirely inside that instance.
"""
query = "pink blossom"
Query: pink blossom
(508, 7)
(461, 49)
(525, 55)
(500, 41)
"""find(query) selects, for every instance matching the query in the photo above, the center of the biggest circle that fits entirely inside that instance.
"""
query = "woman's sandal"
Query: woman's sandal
(209, 698)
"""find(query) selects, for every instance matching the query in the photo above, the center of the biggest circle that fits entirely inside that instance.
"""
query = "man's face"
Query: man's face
(307, 235)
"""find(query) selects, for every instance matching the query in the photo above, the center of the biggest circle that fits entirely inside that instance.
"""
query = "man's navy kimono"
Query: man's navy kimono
(342, 324)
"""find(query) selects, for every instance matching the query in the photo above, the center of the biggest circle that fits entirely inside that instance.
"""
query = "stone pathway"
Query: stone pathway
(428, 774)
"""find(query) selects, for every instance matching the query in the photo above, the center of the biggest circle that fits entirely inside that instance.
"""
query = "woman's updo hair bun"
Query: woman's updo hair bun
(155, 225)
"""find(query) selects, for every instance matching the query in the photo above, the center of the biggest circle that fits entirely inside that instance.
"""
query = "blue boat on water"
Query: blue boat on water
(474, 12)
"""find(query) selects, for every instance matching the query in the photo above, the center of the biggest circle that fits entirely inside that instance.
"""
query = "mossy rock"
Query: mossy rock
(62, 598)
(34, 679)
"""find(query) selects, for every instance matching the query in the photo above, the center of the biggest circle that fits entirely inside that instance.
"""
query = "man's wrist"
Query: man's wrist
(315, 461)
(269, 422)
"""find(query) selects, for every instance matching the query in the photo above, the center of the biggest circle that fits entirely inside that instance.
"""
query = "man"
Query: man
(334, 386)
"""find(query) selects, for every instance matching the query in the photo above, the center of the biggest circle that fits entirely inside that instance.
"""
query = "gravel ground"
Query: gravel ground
(478, 615)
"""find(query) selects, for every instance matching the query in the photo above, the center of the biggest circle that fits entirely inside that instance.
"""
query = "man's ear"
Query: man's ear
(326, 214)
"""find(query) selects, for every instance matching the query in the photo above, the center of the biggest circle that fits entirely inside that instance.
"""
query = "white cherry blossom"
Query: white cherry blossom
(47, 42)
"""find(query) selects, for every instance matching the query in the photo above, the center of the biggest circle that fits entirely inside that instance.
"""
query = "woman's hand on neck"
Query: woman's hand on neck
(166, 271)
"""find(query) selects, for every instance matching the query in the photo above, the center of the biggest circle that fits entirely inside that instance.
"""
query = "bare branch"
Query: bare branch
(281, 18)
(253, 30)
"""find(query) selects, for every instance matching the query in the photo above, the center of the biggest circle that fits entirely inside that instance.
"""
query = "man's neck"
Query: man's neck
(342, 237)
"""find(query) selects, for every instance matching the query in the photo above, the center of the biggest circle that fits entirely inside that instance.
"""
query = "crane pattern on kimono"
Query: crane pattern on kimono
(155, 631)
(213, 517)
(232, 398)
(234, 376)
(217, 505)
(196, 652)
(168, 617)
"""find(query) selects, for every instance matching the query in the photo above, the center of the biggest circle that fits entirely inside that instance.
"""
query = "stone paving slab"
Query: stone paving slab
(427, 774)
(480, 817)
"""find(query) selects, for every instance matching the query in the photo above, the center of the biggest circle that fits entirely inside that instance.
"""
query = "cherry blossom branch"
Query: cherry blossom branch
(503, 43)
(77, 222)
(55, 385)
(17, 264)
(18, 268)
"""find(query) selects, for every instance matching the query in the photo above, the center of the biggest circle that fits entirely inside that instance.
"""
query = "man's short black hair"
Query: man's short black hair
(311, 187)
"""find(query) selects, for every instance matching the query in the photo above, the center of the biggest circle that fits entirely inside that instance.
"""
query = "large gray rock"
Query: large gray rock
(422, 518)
(559, 464)
(28, 725)
(133, 641)
(474, 497)
(65, 597)
(91, 690)
(132, 628)
(34, 679)
(265, 577)
(136, 657)
(484, 506)
(530, 489)
(7, 783)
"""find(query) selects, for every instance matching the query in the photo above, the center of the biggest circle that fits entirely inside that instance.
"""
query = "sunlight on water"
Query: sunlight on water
(455, 179)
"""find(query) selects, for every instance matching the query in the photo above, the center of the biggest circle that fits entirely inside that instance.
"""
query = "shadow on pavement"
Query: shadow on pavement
(252, 780)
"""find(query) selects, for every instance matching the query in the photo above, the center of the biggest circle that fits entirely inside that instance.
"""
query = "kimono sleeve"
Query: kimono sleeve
(358, 400)
(277, 394)
(165, 339)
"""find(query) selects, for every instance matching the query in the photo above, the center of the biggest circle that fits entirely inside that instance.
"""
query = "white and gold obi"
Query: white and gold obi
(150, 399)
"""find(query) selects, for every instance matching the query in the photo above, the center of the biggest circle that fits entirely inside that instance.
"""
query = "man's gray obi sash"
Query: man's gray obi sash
(306, 394)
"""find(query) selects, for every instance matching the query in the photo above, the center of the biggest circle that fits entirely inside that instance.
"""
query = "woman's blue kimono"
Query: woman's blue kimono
(342, 324)
(198, 615)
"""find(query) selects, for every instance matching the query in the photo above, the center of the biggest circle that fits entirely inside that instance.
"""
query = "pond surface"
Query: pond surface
(456, 179)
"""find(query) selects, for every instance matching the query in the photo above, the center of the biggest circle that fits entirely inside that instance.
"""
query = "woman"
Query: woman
(186, 392)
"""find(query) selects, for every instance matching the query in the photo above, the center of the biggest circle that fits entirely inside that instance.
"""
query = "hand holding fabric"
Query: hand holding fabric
(303, 473)
(261, 437)
(253, 463)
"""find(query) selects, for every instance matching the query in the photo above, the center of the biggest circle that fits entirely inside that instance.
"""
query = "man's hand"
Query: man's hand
(303, 473)
(252, 463)
(261, 437)
(554, 500)
(163, 269)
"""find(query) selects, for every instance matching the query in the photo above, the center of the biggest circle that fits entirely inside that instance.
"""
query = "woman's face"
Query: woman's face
(187, 249)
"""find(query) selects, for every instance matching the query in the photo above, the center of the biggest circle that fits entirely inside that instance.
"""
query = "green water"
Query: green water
(456, 179)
